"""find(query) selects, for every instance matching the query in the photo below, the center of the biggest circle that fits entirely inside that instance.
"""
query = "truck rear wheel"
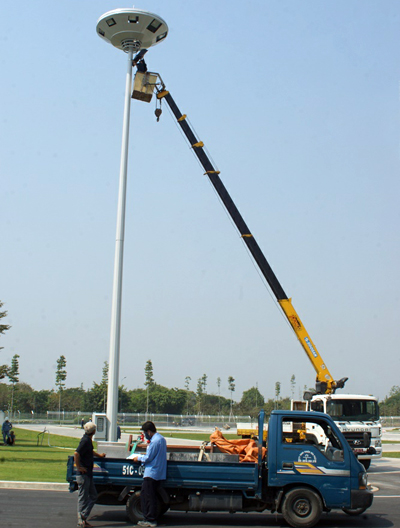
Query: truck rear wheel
(302, 507)
(134, 508)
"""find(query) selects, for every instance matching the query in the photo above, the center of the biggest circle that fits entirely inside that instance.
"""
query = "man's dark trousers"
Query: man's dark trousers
(148, 497)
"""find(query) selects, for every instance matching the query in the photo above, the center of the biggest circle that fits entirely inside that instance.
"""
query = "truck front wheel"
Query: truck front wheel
(302, 507)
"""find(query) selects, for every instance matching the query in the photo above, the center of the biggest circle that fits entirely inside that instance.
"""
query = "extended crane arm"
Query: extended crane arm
(324, 382)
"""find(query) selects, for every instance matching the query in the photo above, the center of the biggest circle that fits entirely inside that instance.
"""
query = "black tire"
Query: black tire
(366, 462)
(354, 511)
(163, 508)
(134, 508)
(302, 507)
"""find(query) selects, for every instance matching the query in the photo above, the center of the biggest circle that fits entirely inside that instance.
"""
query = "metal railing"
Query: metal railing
(161, 420)
(75, 418)
(390, 421)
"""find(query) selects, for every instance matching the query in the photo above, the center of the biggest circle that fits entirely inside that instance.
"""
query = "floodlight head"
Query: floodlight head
(131, 29)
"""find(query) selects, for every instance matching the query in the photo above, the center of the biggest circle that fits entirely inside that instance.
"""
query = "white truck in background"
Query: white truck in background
(356, 415)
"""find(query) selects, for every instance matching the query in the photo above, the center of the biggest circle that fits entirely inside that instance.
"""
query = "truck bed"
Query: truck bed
(121, 472)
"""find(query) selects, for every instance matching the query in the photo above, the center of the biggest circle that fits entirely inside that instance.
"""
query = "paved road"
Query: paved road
(77, 432)
(42, 509)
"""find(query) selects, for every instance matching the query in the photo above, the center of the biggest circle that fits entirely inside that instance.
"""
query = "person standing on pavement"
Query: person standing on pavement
(5, 429)
(155, 470)
(83, 458)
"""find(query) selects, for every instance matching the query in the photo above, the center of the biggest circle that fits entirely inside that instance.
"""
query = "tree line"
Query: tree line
(152, 398)
(17, 396)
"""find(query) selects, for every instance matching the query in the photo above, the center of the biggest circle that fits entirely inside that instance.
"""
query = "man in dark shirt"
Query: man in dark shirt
(83, 458)
(5, 429)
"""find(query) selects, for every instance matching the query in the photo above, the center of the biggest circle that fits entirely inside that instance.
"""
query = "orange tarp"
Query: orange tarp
(247, 449)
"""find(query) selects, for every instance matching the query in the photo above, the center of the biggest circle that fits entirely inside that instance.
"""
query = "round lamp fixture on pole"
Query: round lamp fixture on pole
(130, 30)
(124, 27)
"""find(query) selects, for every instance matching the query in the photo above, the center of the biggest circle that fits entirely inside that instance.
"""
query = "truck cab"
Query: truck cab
(307, 450)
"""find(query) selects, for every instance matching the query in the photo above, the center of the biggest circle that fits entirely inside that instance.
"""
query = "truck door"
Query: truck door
(309, 452)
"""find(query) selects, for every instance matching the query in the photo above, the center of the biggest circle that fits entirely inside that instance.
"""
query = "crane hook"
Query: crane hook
(158, 112)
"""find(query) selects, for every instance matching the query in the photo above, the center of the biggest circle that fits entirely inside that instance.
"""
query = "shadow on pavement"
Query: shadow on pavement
(114, 518)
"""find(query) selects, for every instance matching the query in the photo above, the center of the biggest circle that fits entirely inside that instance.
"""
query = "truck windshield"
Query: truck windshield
(353, 410)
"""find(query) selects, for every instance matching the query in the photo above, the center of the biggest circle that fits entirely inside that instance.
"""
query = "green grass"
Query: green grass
(202, 437)
(389, 442)
(391, 455)
(29, 462)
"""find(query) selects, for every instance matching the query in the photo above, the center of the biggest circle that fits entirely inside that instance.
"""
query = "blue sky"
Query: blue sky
(298, 105)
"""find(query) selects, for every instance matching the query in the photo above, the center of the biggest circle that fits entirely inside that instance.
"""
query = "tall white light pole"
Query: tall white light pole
(130, 30)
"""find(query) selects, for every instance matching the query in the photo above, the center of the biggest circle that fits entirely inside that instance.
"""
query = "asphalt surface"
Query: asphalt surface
(77, 432)
(40, 509)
